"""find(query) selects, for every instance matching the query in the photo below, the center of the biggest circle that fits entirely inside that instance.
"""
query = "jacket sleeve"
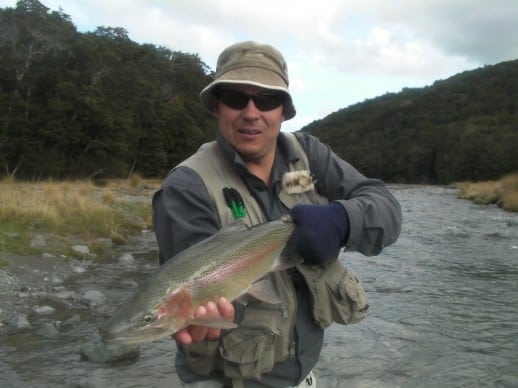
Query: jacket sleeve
(183, 213)
(374, 213)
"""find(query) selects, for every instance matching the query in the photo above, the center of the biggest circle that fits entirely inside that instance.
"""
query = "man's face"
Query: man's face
(251, 129)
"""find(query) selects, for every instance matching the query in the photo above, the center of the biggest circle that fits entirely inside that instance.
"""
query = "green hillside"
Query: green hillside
(464, 127)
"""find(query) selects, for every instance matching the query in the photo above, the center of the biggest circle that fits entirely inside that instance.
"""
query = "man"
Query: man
(271, 174)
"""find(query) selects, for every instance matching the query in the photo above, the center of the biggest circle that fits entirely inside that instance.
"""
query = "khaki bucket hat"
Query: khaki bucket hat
(251, 63)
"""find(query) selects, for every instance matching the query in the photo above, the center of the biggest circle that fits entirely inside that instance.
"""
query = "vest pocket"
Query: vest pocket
(249, 350)
(351, 291)
(337, 294)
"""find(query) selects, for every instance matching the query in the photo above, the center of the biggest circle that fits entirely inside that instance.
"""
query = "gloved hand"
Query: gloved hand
(320, 231)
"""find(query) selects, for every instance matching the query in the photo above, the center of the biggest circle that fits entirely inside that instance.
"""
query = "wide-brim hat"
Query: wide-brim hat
(251, 63)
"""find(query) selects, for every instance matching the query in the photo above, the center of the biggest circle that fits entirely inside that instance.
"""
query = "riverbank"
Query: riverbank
(57, 241)
(503, 192)
(73, 218)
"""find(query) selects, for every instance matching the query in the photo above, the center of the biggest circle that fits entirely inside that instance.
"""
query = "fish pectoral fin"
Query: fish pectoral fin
(213, 322)
(263, 291)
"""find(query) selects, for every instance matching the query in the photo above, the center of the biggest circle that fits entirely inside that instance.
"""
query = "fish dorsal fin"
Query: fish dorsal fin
(229, 229)
(234, 227)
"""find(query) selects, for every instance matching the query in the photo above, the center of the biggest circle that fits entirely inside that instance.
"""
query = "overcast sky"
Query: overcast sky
(338, 52)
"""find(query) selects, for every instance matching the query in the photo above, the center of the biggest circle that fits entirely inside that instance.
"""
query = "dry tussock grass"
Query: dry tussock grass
(50, 202)
(503, 192)
(79, 208)
(510, 192)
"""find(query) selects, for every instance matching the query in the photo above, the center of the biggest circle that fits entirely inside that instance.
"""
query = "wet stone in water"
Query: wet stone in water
(104, 353)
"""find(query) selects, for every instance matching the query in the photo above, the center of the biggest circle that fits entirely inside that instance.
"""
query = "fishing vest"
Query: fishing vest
(265, 335)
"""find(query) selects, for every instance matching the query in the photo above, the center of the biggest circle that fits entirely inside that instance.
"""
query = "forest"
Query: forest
(461, 128)
(96, 104)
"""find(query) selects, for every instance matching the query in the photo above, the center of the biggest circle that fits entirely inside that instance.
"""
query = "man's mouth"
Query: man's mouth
(245, 131)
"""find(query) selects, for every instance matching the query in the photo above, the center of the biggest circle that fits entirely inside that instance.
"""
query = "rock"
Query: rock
(81, 250)
(104, 242)
(56, 281)
(126, 259)
(64, 294)
(48, 330)
(20, 322)
(38, 241)
(104, 353)
(78, 266)
(58, 288)
(46, 255)
(79, 269)
(71, 322)
(93, 297)
(44, 310)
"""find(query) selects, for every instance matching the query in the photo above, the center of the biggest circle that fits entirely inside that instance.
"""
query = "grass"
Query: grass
(80, 211)
(503, 192)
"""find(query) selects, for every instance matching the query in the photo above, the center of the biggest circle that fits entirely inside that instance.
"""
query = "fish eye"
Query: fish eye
(149, 318)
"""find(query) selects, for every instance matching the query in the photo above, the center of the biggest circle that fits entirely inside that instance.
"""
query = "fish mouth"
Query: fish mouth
(133, 336)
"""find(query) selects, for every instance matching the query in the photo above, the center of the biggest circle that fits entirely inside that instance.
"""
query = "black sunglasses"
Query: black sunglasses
(264, 101)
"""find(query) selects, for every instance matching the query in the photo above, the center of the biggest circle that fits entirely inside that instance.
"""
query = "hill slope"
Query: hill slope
(464, 127)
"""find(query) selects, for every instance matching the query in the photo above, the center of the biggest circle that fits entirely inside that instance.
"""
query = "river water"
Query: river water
(444, 311)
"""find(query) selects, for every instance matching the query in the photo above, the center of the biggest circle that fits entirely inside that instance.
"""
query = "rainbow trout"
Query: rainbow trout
(228, 264)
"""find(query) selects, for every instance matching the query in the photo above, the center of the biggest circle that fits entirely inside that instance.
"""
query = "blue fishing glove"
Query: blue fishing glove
(320, 231)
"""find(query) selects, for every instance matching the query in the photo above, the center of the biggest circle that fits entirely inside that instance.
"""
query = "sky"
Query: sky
(338, 52)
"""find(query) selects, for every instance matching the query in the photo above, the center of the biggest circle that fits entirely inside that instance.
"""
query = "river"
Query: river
(443, 310)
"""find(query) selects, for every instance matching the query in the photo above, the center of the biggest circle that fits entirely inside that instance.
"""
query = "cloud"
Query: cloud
(486, 34)
(480, 31)
(405, 36)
